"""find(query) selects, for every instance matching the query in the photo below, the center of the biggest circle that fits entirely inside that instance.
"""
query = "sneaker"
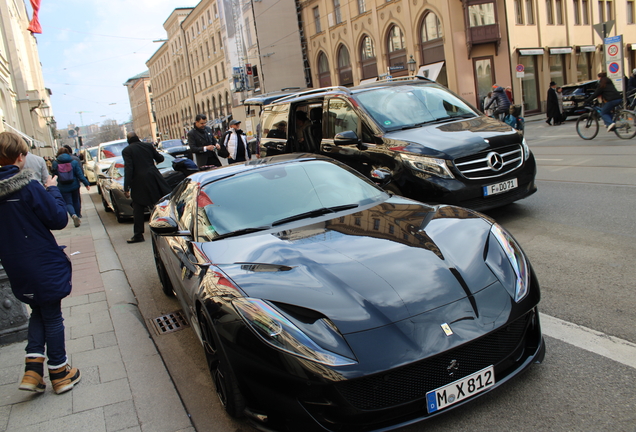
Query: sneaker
(64, 378)
(611, 127)
(76, 221)
(33, 379)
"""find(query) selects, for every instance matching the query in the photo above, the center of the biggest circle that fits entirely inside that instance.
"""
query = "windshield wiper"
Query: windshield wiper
(241, 232)
(314, 213)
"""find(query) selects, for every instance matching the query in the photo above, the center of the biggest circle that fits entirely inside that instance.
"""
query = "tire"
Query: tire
(166, 285)
(587, 126)
(118, 215)
(107, 208)
(625, 124)
(225, 382)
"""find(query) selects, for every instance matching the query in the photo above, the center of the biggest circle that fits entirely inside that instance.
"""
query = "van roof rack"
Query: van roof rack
(314, 91)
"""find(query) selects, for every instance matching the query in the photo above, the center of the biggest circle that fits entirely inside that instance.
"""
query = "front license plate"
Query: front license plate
(502, 187)
(459, 390)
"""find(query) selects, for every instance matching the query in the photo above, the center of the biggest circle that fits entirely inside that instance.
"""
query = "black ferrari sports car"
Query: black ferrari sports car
(324, 303)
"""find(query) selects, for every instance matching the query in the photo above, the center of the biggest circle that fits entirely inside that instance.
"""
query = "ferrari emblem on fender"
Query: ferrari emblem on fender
(447, 329)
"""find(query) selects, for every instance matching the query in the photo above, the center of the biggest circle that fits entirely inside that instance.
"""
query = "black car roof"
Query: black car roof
(311, 93)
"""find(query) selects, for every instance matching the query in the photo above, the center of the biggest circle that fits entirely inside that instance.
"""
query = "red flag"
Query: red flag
(34, 25)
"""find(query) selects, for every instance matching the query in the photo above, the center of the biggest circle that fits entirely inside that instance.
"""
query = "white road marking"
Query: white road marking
(590, 340)
(574, 164)
(548, 159)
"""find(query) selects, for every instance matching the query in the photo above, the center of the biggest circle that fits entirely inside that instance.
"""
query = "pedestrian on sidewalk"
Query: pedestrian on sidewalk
(37, 164)
(142, 180)
(203, 144)
(234, 142)
(38, 269)
(69, 175)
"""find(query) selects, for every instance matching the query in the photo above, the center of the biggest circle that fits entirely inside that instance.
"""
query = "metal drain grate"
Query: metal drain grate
(170, 322)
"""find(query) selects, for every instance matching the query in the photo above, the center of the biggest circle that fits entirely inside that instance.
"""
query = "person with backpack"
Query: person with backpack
(234, 142)
(501, 100)
(39, 271)
(69, 175)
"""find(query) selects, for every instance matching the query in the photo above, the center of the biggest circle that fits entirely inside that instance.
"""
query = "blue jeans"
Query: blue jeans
(605, 110)
(73, 202)
(46, 328)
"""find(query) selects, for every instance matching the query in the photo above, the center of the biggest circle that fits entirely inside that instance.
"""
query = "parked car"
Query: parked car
(89, 154)
(175, 148)
(107, 152)
(574, 96)
(111, 184)
(324, 303)
(430, 144)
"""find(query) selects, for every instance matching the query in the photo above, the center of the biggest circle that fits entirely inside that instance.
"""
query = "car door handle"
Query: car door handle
(327, 147)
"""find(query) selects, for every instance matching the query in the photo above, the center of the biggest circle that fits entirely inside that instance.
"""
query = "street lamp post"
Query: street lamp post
(411, 63)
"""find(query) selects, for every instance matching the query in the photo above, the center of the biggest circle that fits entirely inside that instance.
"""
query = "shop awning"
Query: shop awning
(30, 140)
(531, 51)
(561, 50)
(587, 48)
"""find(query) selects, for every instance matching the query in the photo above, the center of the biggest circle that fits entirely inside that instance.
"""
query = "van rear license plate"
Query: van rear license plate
(502, 187)
(459, 390)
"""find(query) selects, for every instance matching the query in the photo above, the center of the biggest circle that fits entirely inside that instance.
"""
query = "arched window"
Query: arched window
(324, 76)
(216, 115)
(368, 58)
(397, 52)
(220, 105)
(228, 105)
(345, 73)
(432, 45)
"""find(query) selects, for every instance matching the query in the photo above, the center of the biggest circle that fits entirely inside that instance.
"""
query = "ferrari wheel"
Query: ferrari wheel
(225, 382)
(166, 285)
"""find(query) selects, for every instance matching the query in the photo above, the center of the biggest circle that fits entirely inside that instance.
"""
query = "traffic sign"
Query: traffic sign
(614, 67)
(520, 68)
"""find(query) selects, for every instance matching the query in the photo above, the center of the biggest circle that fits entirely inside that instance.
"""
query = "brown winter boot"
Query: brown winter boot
(64, 378)
(33, 375)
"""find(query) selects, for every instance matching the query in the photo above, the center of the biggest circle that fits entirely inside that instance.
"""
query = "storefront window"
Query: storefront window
(529, 83)
(556, 69)
(583, 67)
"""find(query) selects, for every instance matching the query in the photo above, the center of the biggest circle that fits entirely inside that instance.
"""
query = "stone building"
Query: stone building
(25, 106)
(140, 96)
(467, 45)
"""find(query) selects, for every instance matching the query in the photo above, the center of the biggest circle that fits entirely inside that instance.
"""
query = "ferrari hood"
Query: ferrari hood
(367, 269)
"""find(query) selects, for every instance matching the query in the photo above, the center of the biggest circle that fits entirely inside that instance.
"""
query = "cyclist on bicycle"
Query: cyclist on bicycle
(611, 98)
(503, 103)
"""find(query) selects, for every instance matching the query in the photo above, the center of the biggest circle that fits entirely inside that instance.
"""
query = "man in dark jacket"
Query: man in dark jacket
(142, 180)
(503, 103)
(552, 106)
(38, 269)
(203, 145)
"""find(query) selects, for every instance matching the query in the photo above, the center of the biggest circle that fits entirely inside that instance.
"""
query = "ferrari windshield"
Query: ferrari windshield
(413, 105)
(279, 194)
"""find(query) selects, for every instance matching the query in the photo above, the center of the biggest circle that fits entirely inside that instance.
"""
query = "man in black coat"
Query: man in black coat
(552, 106)
(203, 145)
(142, 180)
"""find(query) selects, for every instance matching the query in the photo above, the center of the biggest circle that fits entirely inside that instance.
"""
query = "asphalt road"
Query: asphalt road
(578, 231)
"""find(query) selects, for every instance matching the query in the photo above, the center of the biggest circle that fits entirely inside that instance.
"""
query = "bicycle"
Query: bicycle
(587, 125)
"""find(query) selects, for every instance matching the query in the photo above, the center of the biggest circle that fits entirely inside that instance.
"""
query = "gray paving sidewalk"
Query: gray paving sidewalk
(125, 385)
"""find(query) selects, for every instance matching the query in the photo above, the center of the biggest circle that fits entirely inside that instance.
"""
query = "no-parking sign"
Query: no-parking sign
(614, 60)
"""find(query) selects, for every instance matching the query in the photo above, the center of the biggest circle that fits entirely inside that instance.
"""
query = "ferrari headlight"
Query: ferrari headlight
(517, 260)
(434, 166)
(278, 331)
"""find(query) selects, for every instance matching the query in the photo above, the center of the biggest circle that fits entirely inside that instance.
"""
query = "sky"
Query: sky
(88, 49)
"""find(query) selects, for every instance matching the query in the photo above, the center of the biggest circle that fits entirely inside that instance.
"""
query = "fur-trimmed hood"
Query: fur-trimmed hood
(12, 179)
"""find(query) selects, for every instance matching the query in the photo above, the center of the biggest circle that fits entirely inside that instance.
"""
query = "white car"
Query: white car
(90, 154)
(106, 154)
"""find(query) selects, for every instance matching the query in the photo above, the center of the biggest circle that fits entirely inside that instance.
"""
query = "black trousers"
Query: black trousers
(138, 218)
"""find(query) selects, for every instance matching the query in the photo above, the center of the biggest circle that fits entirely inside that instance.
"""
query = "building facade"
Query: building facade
(466, 45)
(140, 97)
(25, 105)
